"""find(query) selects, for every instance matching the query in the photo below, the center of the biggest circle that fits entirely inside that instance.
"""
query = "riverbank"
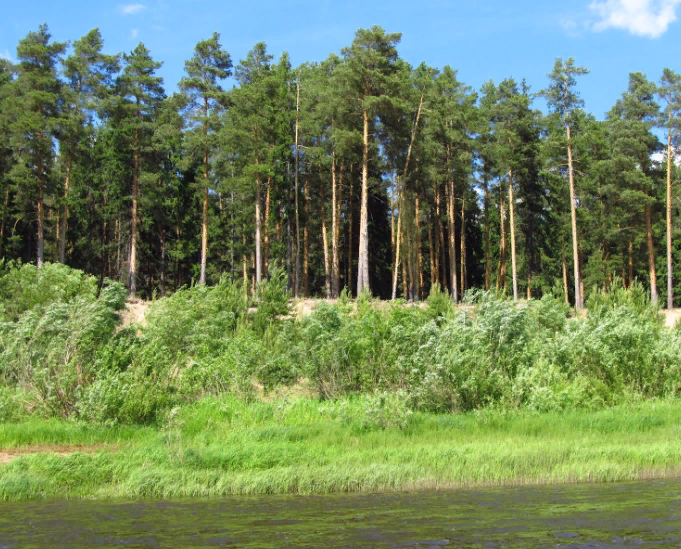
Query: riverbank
(228, 446)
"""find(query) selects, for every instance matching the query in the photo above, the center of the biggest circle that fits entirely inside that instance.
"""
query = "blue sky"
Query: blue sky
(492, 40)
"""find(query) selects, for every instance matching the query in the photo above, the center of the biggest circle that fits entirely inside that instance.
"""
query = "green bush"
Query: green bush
(22, 287)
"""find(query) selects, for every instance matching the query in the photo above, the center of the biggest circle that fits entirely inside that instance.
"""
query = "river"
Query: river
(640, 514)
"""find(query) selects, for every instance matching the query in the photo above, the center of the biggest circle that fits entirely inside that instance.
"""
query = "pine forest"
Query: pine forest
(361, 173)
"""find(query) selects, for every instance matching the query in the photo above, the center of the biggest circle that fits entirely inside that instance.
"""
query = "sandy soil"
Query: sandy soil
(136, 310)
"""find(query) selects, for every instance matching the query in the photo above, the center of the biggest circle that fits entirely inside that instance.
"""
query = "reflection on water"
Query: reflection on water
(643, 514)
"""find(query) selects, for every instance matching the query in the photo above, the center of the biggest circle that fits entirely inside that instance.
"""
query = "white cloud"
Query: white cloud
(131, 9)
(649, 18)
(134, 33)
(660, 157)
(7, 55)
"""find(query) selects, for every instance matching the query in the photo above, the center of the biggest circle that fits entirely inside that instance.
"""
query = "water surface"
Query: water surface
(642, 514)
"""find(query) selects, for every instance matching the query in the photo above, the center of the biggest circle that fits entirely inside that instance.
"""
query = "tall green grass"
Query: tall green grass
(225, 445)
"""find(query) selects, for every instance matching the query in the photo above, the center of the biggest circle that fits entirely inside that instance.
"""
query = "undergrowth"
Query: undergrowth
(64, 355)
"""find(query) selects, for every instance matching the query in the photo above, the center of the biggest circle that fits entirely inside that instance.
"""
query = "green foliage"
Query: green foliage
(22, 287)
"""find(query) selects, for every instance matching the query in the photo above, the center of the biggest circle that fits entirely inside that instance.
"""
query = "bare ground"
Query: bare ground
(136, 310)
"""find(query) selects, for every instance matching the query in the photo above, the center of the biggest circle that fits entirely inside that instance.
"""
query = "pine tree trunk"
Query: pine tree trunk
(651, 255)
(253, 275)
(63, 220)
(398, 240)
(631, 263)
(266, 232)
(339, 201)
(204, 236)
(335, 221)
(670, 287)
(463, 245)
(452, 240)
(306, 239)
(431, 253)
(486, 229)
(363, 269)
(419, 252)
(349, 283)
(296, 292)
(565, 281)
(132, 269)
(440, 242)
(405, 270)
(579, 303)
(41, 224)
(511, 209)
(325, 243)
(501, 275)
(4, 220)
(258, 259)
(245, 265)
(163, 265)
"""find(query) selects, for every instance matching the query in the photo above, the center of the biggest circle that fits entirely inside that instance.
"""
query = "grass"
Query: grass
(222, 446)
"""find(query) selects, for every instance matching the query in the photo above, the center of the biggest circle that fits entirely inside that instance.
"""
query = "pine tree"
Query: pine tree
(140, 92)
(371, 62)
(6, 89)
(632, 119)
(36, 103)
(88, 75)
(249, 126)
(205, 98)
(670, 91)
(563, 99)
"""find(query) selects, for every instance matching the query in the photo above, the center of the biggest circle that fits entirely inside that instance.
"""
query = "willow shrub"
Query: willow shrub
(499, 354)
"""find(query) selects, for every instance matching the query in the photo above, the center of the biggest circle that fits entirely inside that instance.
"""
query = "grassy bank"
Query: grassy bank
(223, 446)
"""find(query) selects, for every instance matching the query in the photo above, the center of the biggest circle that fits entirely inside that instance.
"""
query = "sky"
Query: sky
(491, 40)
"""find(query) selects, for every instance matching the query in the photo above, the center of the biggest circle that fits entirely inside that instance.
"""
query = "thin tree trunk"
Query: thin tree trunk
(511, 209)
(266, 231)
(325, 242)
(452, 240)
(501, 276)
(651, 255)
(431, 253)
(565, 281)
(339, 201)
(163, 265)
(402, 188)
(440, 244)
(405, 270)
(296, 292)
(253, 269)
(670, 287)
(463, 245)
(63, 220)
(132, 269)
(204, 225)
(245, 267)
(306, 238)
(363, 269)
(631, 263)
(41, 223)
(398, 241)
(486, 229)
(579, 304)
(349, 284)
(4, 220)
(258, 259)
(335, 221)
(419, 263)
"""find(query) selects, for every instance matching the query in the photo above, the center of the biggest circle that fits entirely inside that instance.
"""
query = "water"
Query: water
(642, 514)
